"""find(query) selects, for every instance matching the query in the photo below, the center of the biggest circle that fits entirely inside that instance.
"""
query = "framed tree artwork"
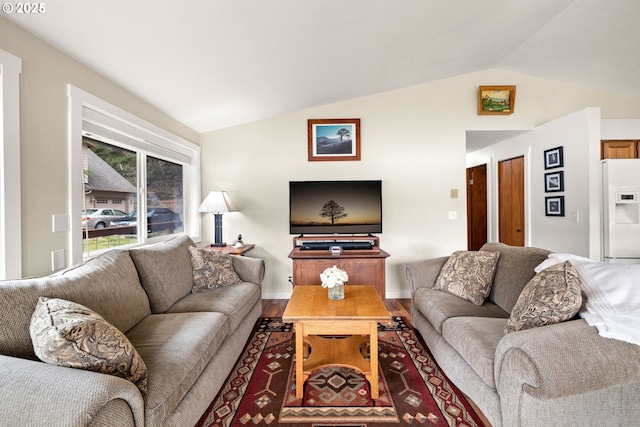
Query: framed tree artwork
(333, 139)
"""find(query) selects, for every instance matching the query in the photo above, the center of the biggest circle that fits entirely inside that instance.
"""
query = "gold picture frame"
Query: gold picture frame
(333, 139)
(496, 100)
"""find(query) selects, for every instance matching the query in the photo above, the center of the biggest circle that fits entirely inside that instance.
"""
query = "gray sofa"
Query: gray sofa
(188, 341)
(554, 375)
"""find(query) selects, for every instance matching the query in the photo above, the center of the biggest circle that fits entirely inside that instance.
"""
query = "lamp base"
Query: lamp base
(217, 231)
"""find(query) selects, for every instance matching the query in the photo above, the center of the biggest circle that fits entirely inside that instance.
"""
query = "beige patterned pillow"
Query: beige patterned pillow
(552, 296)
(211, 269)
(65, 333)
(469, 275)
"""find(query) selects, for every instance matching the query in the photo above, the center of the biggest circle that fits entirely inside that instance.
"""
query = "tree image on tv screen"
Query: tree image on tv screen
(333, 211)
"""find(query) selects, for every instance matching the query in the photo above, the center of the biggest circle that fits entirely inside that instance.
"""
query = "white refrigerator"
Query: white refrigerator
(621, 210)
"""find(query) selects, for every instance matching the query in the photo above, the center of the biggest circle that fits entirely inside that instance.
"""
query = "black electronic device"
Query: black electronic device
(335, 207)
(324, 246)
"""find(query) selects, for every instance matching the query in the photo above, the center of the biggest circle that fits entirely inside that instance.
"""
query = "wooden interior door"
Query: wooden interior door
(511, 201)
(476, 207)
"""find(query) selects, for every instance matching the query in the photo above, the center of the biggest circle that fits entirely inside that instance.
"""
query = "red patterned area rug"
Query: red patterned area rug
(413, 391)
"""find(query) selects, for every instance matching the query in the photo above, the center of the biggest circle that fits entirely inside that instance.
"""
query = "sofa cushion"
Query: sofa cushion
(552, 296)
(68, 334)
(235, 301)
(476, 340)
(515, 268)
(468, 274)
(108, 284)
(165, 271)
(176, 348)
(437, 306)
(211, 269)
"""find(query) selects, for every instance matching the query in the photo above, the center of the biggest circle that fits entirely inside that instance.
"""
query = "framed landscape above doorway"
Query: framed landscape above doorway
(496, 100)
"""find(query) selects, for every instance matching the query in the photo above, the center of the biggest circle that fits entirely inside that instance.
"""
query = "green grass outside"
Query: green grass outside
(107, 242)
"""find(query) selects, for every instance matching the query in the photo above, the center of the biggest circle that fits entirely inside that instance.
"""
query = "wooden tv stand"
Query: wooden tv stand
(364, 266)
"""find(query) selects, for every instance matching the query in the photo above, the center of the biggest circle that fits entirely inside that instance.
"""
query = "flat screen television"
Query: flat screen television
(335, 207)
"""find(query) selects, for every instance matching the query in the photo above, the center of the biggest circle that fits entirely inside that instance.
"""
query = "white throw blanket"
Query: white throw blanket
(612, 295)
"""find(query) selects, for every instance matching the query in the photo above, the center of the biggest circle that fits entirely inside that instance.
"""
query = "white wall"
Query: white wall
(621, 129)
(413, 139)
(578, 232)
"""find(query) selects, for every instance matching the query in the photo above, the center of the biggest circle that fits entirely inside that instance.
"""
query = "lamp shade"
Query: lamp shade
(217, 202)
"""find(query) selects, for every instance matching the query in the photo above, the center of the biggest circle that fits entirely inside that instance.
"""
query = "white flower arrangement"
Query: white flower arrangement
(333, 276)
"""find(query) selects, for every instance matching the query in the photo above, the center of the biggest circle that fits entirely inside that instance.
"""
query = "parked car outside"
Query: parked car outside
(154, 216)
(100, 218)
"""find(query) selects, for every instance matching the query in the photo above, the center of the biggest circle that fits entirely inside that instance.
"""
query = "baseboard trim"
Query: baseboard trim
(276, 295)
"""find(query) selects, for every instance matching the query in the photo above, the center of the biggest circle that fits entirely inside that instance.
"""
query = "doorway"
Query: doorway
(511, 201)
(476, 207)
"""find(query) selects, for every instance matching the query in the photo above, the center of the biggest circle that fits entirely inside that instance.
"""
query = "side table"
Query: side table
(230, 249)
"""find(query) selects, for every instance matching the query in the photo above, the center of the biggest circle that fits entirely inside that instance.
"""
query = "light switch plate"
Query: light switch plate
(59, 223)
(575, 216)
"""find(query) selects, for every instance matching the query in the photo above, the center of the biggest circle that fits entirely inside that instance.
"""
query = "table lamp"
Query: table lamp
(217, 202)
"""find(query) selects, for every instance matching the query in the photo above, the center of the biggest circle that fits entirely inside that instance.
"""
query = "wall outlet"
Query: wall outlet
(453, 215)
(290, 278)
(57, 260)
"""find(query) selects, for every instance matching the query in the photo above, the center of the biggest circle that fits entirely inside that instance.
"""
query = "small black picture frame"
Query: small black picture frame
(553, 182)
(553, 158)
(554, 206)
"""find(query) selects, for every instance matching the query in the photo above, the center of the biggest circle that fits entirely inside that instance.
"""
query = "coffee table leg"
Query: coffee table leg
(373, 358)
(299, 360)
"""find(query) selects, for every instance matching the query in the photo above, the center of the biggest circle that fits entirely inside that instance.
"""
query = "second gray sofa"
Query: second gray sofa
(554, 375)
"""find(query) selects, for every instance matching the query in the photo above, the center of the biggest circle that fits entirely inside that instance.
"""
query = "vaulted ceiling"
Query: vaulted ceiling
(217, 63)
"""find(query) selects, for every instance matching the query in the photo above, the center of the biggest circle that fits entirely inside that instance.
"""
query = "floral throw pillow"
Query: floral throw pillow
(68, 334)
(468, 275)
(211, 269)
(552, 296)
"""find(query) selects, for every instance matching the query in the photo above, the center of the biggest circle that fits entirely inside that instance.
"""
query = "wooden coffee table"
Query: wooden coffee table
(336, 332)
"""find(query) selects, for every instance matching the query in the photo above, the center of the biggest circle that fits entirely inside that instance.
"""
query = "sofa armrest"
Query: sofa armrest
(249, 269)
(36, 393)
(565, 359)
(423, 274)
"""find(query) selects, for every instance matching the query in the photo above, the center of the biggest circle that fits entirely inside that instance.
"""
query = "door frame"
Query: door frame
(492, 191)
(475, 205)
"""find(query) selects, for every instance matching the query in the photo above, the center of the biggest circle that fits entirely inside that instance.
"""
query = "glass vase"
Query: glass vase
(336, 292)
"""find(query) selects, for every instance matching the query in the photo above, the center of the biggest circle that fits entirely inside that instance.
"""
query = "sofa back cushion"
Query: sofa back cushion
(515, 268)
(107, 284)
(165, 271)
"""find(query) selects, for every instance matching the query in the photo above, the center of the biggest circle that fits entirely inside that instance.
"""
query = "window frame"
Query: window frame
(88, 113)
(10, 196)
